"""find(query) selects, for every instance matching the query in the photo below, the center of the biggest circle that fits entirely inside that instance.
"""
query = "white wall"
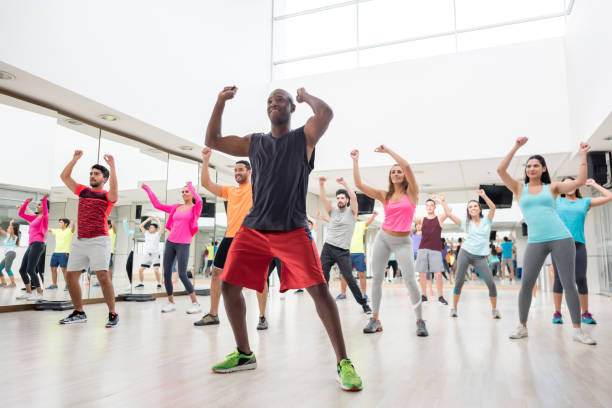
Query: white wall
(589, 66)
(159, 61)
(427, 109)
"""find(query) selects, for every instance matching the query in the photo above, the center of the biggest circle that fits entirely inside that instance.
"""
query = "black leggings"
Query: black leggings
(581, 271)
(129, 265)
(29, 263)
(393, 264)
(181, 253)
(275, 263)
(331, 255)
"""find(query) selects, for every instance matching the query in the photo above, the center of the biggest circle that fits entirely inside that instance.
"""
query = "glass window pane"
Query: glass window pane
(282, 7)
(313, 66)
(333, 30)
(407, 51)
(388, 20)
(512, 34)
(473, 13)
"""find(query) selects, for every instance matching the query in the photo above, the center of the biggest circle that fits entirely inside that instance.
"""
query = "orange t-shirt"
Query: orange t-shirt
(239, 203)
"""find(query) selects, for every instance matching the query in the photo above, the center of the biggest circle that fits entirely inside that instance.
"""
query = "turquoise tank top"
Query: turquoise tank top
(543, 222)
(9, 243)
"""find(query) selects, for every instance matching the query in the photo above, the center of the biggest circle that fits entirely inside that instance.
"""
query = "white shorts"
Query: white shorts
(91, 253)
(150, 259)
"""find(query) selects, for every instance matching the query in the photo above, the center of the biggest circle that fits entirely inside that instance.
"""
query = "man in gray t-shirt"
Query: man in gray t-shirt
(339, 233)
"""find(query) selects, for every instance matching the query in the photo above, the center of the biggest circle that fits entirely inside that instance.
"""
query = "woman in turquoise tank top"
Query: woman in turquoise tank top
(547, 234)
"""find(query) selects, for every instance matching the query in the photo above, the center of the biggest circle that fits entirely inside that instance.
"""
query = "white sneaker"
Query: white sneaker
(195, 308)
(34, 297)
(128, 288)
(496, 314)
(453, 312)
(519, 333)
(168, 307)
(24, 296)
(582, 337)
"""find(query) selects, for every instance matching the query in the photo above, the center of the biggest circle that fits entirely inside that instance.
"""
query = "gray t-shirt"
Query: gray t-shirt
(341, 226)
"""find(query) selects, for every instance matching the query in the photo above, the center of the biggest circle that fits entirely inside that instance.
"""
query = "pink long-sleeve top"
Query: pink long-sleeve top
(38, 223)
(183, 225)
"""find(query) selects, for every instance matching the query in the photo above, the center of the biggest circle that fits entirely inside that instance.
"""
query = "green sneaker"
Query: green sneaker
(236, 362)
(347, 377)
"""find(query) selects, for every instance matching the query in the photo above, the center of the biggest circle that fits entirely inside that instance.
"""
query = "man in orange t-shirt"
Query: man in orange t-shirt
(239, 203)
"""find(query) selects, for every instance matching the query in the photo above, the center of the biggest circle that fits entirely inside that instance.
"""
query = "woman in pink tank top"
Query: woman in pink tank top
(399, 202)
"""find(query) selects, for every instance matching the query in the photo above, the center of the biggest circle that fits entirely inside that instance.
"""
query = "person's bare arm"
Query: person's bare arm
(142, 225)
(72, 226)
(413, 187)
(485, 197)
(364, 188)
(66, 174)
(569, 185)
(322, 216)
(371, 219)
(441, 199)
(113, 191)
(604, 199)
(449, 214)
(326, 204)
(205, 179)
(354, 205)
(233, 145)
(316, 126)
(512, 184)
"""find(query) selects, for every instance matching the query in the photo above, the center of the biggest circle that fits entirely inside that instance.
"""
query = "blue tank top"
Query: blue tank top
(9, 243)
(543, 222)
(573, 214)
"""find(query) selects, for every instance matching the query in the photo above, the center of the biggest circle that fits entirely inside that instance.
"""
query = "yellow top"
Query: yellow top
(357, 246)
(63, 238)
(113, 237)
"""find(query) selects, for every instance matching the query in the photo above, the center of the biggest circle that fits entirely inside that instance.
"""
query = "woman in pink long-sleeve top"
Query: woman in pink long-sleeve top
(183, 225)
(39, 223)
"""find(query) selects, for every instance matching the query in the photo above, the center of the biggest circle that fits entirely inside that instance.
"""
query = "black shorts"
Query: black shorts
(222, 251)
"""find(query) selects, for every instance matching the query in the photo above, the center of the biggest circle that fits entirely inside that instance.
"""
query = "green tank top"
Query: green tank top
(543, 222)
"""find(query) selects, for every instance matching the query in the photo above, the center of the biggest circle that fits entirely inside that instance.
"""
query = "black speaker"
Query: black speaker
(500, 195)
(493, 236)
(208, 209)
(524, 228)
(138, 211)
(365, 203)
(598, 165)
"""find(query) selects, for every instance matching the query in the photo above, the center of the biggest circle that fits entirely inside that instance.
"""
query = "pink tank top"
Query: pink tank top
(398, 215)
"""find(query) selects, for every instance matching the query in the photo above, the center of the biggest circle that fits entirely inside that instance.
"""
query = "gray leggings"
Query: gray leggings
(7, 262)
(478, 262)
(384, 244)
(181, 253)
(564, 253)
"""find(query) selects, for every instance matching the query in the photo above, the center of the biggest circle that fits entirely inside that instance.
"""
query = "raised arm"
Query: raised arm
(364, 188)
(233, 145)
(354, 204)
(604, 199)
(72, 226)
(113, 191)
(569, 184)
(159, 206)
(371, 219)
(413, 187)
(142, 225)
(45, 214)
(316, 126)
(326, 204)
(126, 228)
(441, 199)
(207, 183)
(12, 224)
(449, 214)
(22, 211)
(502, 170)
(66, 174)
(485, 197)
(322, 216)
(198, 200)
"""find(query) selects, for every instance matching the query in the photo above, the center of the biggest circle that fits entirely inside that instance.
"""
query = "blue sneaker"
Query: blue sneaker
(557, 318)
(366, 297)
(588, 318)
(66, 288)
(340, 297)
(74, 317)
(51, 287)
(113, 320)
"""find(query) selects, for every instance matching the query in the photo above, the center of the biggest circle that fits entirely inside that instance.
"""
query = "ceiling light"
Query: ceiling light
(108, 117)
(6, 75)
(73, 122)
(186, 148)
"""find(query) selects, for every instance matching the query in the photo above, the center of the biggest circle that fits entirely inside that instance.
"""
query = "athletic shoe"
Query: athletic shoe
(25, 288)
(366, 297)
(195, 308)
(2, 285)
(519, 333)
(347, 377)
(373, 326)
(11, 285)
(557, 318)
(24, 296)
(51, 287)
(366, 309)
(496, 314)
(74, 317)
(588, 318)
(168, 307)
(340, 297)
(453, 312)
(236, 361)
(66, 288)
(442, 300)
(582, 337)
(299, 291)
(96, 285)
(140, 285)
(423, 298)
(128, 288)
(207, 320)
(421, 329)
(113, 320)
(263, 323)
(35, 297)
(159, 286)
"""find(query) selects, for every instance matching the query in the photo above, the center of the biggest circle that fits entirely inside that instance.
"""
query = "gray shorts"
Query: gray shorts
(429, 260)
(91, 253)
(507, 262)
(150, 259)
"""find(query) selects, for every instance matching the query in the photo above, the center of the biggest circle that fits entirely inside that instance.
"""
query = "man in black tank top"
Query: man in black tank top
(276, 225)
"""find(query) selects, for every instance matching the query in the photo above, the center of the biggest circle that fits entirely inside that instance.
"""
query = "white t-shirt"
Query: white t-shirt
(151, 242)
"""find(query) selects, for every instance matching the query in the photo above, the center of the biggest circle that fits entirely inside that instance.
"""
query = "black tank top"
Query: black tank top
(280, 181)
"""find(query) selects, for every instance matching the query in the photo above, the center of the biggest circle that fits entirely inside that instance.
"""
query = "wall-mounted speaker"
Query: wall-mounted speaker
(598, 165)
(138, 212)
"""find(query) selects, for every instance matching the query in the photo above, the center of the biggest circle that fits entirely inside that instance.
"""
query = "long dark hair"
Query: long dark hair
(392, 186)
(545, 178)
(467, 211)
(577, 190)
(15, 232)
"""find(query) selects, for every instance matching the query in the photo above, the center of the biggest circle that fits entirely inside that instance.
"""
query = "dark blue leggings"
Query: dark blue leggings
(29, 262)
(181, 253)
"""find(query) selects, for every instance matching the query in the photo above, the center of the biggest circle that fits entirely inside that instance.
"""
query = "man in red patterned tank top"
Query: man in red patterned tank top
(92, 248)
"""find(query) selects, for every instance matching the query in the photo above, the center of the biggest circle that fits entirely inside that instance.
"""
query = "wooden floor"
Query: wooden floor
(162, 360)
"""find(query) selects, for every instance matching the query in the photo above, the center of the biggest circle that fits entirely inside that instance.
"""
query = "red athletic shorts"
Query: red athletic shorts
(251, 252)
